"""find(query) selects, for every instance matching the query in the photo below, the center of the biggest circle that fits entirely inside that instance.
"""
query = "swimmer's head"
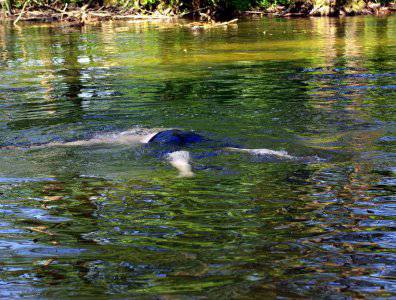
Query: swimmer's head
(176, 137)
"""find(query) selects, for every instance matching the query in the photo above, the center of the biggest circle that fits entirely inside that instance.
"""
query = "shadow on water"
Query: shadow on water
(115, 220)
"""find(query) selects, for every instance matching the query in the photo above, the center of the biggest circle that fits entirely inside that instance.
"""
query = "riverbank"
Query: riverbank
(78, 16)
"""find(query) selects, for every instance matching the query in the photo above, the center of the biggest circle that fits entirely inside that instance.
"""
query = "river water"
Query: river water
(115, 221)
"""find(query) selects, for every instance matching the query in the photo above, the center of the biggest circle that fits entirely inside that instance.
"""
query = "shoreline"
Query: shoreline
(80, 17)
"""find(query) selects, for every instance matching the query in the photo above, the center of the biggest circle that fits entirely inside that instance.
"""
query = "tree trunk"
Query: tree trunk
(196, 4)
(7, 5)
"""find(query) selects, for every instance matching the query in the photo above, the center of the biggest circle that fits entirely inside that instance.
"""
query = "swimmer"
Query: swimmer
(175, 142)
(171, 144)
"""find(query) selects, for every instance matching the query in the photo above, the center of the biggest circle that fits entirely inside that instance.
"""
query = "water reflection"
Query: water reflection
(94, 221)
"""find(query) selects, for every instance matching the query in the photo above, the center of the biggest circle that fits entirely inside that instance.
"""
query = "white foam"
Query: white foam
(181, 161)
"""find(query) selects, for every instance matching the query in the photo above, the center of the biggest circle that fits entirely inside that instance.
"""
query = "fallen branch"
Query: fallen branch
(140, 17)
(254, 12)
(22, 11)
(64, 11)
(100, 14)
(233, 21)
(52, 8)
(199, 25)
(290, 14)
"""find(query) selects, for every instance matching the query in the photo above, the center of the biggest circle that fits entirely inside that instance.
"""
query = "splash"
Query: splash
(181, 161)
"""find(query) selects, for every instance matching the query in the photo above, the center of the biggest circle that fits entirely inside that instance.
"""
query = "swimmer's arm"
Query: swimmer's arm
(90, 142)
(282, 154)
(124, 138)
(121, 139)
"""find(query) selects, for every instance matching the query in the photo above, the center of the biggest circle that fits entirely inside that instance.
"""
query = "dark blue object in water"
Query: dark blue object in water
(176, 137)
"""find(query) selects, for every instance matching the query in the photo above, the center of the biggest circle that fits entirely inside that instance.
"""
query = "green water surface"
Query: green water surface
(114, 221)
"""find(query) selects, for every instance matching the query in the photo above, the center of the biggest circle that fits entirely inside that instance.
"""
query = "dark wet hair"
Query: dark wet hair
(176, 137)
